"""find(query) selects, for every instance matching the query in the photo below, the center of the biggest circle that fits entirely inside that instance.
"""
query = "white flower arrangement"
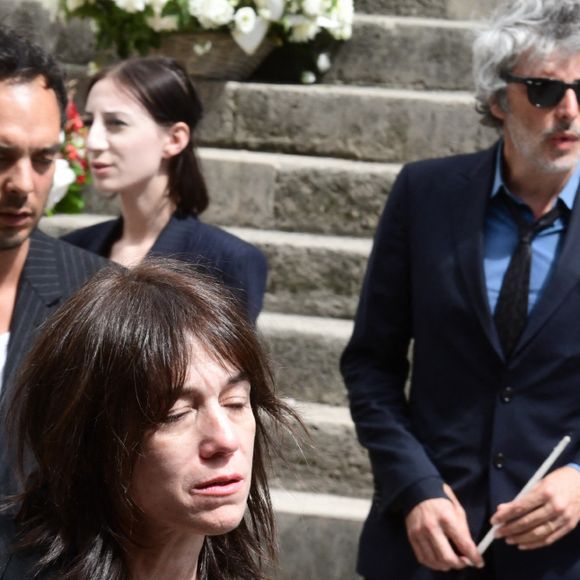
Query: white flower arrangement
(135, 25)
(64, 177)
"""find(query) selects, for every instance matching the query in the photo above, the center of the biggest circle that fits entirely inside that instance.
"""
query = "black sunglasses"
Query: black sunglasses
(543, 92)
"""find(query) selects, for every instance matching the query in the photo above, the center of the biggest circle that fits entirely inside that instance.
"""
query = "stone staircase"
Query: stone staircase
(303, 172)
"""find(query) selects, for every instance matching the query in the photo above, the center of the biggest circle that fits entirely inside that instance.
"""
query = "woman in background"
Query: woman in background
(148, 407)
(141, 115)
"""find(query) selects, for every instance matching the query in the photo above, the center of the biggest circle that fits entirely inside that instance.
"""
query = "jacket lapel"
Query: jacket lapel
(175, 237)
(565, 277)
(468, 213)
(39, 288)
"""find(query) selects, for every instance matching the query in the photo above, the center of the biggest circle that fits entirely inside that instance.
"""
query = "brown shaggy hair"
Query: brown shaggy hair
(106, 370)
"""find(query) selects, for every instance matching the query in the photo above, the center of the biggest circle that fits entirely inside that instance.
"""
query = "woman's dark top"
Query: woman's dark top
(241, 266)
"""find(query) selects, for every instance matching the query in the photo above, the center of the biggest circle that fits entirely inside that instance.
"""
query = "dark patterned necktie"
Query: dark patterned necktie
(511, 312)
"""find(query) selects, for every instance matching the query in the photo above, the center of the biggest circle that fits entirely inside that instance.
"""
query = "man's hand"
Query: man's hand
(435, 527)
(545, 514)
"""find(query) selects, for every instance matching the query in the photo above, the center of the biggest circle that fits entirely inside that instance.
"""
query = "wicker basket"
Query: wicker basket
(225, 60)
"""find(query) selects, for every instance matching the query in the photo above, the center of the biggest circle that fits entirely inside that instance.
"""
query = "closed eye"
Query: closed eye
(237, 405)
(175, 417)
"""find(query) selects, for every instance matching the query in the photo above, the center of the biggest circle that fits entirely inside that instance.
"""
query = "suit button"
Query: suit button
(499, 460)
(506, 395)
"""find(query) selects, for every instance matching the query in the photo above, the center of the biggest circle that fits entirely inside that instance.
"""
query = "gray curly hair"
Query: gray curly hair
(532, 29)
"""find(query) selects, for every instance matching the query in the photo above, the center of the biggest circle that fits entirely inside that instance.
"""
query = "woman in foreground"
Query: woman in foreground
(142, 114)
(144, 404)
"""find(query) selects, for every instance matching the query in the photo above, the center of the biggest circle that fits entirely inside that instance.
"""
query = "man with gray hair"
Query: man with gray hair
(476, 264)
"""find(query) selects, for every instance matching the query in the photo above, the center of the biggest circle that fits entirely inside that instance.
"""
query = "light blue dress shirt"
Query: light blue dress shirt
(501, 238)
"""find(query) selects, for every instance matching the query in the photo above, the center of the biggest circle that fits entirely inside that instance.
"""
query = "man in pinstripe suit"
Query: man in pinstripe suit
(36, 272)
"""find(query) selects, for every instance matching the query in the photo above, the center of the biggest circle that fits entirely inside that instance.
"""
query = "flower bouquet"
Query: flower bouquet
(71, 174)
(137, 26)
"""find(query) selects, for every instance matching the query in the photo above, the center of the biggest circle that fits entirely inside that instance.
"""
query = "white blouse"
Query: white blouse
(4, 338)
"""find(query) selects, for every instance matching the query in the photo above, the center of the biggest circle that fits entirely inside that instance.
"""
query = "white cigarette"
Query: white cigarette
(542, 470)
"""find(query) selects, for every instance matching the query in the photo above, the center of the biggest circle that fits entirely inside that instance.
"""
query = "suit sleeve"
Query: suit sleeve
(375, 364)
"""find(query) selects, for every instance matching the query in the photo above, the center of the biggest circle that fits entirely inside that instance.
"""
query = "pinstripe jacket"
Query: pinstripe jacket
(53, 270)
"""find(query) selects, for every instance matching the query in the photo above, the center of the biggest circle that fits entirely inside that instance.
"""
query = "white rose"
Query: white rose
(344, 11)
(162, 23)
(312, 7)
(131, 6)
(245, 20)
(158, 6)
(64, 176)
(270, 9)
(250, 30)
(342, 32)
(212, 13)
(323, 62)
(304, 31)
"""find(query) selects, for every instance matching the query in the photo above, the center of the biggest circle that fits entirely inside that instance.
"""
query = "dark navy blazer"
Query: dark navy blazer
(241, 266)
(425, 284)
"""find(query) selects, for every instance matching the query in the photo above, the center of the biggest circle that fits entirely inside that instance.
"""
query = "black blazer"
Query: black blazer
(241, 266)
(425, 283)
(53, 271)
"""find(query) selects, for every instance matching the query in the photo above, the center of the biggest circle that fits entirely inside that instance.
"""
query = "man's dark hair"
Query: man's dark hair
(24, 61)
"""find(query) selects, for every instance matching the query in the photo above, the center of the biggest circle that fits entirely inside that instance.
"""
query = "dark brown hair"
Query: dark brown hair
(106, 369)
(22, 61)
(165, 90)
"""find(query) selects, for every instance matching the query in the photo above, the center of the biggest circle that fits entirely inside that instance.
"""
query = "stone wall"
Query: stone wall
(73, 44)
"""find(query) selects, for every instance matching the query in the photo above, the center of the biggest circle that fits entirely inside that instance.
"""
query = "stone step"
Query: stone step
(305, 351)
(402, 52)
(366, 123)
(318, 535)
(453, 9)
(309, 274)
(327, 460)
(287, 192)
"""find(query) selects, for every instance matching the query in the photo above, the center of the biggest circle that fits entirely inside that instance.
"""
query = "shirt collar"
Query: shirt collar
(567, 195)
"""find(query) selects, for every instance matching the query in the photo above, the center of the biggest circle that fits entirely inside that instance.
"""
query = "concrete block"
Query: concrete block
(71, 43)
(353, 122)
(62, 224)
(305, 352)
(318, 535)
(242, 187)
(31, 20)
(314, 275)
(456, 9)
(406, 53)
(218, 111)
(471, 9)
(331, 196)
(328, 460)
